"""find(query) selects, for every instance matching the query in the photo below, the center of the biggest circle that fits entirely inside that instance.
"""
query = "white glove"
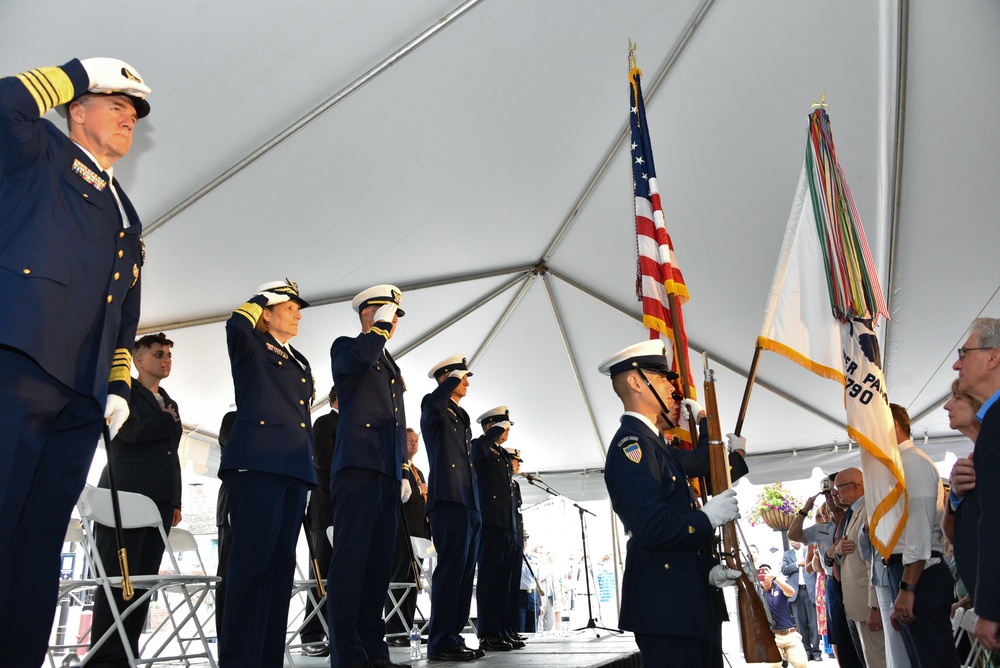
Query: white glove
(721, 576)
(722, 508)
(106, 76)
(405, 491)
(385, 313)
(459, 373)
(736, 442)
(115, 412)
(692, 408)
(503, 423)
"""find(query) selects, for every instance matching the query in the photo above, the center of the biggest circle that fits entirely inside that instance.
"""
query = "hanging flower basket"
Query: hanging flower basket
(775, 507)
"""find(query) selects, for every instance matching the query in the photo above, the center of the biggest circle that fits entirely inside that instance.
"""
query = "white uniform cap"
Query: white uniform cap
(514, 453)
(449, 364)
(498, 414)
(650, 355)
(378, 295)
(285, 287)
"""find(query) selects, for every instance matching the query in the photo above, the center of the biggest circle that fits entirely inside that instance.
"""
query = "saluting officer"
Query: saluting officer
(512, 618)
(70, 255)
(495, 475)
(648, 488)
(452, 506)
(366, 480)
(267, 470)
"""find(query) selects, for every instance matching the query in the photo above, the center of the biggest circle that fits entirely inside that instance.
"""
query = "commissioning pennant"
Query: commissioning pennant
(657, 272)
(824, 305)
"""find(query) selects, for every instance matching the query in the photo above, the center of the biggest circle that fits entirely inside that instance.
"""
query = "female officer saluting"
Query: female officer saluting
(267, 470)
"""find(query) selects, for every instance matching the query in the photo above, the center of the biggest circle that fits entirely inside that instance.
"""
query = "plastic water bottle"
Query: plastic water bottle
(415, 641)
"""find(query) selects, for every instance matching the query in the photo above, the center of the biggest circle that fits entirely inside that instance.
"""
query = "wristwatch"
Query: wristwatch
(803, 512)
(906, 586)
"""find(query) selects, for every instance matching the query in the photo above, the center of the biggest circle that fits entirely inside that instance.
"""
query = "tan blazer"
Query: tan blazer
(855, 573)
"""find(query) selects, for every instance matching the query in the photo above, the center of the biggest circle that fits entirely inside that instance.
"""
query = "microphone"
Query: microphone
(531, 478)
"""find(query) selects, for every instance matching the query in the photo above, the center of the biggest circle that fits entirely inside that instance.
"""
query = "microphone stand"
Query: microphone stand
(591, 622)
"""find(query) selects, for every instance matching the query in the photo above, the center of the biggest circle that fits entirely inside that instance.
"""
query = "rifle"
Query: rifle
(755, 623)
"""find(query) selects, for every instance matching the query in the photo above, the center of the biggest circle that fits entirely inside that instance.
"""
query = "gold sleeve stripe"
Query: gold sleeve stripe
(121, 367)
(378, 329)
(251, 312)
(50, 87)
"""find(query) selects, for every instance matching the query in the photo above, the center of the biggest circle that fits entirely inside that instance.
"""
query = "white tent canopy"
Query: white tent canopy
(472, 154)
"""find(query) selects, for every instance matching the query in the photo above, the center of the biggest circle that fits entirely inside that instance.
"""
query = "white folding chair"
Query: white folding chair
(302, 592)
(956, 626)
(73, 592)
(968, 625)
(184, 545)
(138, 511)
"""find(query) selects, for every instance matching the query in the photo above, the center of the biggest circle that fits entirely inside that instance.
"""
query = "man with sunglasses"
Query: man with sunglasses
(667, 552)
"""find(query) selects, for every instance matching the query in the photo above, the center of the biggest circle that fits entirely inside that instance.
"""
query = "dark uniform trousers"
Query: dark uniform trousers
(362, 545)
(929, 640)
(496, 563)
(265, 511)
(456, 530)
(47, 428)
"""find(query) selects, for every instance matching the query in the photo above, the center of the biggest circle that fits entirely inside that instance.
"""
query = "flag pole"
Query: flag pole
(751, 376)
(682, 365)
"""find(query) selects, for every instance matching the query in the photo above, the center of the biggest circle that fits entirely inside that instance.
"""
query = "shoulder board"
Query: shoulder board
(406, 466)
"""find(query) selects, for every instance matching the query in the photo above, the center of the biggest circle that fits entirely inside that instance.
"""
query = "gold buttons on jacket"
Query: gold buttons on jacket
(452, 466)
(262, 422)
(302, 424)
(121, 234)
(110, 298)
(691, 529)
(368, 424)
(26, 271)
(301, 402)
(279, 362)
(666, 567)
(303, 380)
(121, 253)
(117, 275)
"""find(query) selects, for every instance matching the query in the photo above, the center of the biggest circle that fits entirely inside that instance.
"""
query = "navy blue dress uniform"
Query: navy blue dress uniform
(267, 470)
(495, 476)
(453, 509)
(512, 619)
(365, 484)
(225, 531)
(319, 517)
(144, 457)
(413, 522)
(70, 284)
(648, 489)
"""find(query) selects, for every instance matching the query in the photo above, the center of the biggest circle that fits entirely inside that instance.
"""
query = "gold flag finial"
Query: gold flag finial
(822, 102)
(632, 46)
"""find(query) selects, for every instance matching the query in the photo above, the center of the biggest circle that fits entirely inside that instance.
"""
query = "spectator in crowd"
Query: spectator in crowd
(923, 589)
(801, 578)
(777, 593)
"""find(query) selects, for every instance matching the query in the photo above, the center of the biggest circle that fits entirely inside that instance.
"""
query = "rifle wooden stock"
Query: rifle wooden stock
(755, 625)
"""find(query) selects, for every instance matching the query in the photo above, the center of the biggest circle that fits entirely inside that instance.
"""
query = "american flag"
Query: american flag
(657, 274)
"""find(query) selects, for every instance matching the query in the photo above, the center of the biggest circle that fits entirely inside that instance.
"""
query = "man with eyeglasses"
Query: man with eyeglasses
(977, 501)
(920, 582)
(858, 593)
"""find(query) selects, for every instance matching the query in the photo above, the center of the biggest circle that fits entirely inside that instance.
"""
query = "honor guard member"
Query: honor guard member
(70, 254)
(366, 480)
(495, 476)
(145, 461)
(512, 621)
(412, 522)
(452, 506)
(649, 492)
(267, 470)
(319, 517)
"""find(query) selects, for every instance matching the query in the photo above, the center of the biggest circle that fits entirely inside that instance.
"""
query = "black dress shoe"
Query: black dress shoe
(494, 644)
(316, 650)
(398, 641)
(387, 663)
(457, 653)
(514, 642)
